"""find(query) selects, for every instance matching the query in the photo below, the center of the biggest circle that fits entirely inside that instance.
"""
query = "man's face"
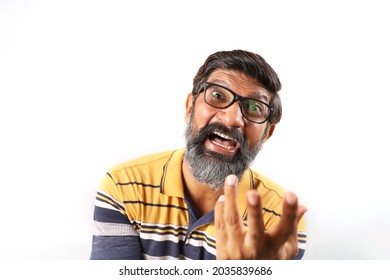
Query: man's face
(221, 141)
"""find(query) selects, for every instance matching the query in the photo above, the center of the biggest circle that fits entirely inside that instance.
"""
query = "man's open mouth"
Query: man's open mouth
(223, 142)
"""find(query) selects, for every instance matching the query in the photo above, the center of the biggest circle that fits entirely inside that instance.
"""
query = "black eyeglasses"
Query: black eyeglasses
(221, 97)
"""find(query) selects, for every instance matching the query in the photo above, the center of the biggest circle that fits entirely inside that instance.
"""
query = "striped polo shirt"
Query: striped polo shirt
(142, 212)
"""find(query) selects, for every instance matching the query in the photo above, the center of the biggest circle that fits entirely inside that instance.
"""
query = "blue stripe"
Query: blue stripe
(113, 203)
(271, 211)
(153, 204)
(115, 248)
(109, 216)
(301, 252)
(155, 227)
(132, 183)
(138, 183)
(175, 250)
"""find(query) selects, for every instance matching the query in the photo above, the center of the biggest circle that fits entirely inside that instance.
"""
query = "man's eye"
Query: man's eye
(253, 106)
(218, 95)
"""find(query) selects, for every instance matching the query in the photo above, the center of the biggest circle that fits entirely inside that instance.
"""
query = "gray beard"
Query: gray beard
(210, 167)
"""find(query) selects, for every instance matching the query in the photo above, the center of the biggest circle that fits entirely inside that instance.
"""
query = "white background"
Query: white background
(85, 85)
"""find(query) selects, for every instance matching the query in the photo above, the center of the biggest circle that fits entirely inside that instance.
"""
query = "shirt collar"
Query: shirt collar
(172, 180)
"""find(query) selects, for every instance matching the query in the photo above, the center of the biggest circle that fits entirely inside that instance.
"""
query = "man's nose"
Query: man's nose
(232, 116)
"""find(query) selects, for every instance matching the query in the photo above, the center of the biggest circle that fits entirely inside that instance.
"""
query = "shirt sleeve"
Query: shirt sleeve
(114, 238)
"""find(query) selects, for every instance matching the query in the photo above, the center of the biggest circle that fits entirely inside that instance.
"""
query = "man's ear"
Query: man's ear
(189, 106)
(268, 133)
(271, 131)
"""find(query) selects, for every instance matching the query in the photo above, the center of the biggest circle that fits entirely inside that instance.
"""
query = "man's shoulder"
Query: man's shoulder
(149, 169)
(145, 161)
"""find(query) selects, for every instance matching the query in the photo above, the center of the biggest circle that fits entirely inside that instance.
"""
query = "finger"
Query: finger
(285, 236)
(288, 222)
(221, 236)
(255, 230)
(234, 225)
(301, 211)
(292, 248)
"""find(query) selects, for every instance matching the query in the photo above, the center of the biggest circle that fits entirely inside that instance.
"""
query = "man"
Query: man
(204, 201)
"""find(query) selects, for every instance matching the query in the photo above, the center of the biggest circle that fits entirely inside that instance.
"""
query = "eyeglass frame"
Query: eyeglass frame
(236, 98)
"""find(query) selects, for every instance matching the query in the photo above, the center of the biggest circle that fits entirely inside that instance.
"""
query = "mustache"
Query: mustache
(209, 129)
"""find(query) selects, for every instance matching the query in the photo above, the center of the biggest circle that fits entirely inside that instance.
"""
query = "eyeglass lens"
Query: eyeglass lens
(252, 109)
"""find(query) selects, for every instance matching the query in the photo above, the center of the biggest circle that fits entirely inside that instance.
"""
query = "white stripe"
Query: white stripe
(202, 243)
(149, 257)
(114, 229)
(105, 205)
(302, 245)
(176, 227)
(165, 236)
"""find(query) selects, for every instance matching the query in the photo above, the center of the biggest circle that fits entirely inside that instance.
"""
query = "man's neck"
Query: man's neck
(202, 196)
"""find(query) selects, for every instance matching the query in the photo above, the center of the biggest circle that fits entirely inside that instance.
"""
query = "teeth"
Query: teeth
(224, 136)
(226, 147)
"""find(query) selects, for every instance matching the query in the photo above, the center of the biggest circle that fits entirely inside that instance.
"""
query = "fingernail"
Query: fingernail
(290, 198)
(221, 198)
(231, 180)
(253, 199)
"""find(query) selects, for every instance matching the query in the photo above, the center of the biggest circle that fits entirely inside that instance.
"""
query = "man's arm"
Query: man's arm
(114, 236)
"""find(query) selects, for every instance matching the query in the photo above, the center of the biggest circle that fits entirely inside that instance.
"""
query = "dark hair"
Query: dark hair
(248, 63)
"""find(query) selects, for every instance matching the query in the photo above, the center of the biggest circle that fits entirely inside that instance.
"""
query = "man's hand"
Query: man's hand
(235, 241)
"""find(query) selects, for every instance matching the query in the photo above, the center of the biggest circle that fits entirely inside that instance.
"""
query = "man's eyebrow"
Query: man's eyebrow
(220, 82)
(259, 95)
